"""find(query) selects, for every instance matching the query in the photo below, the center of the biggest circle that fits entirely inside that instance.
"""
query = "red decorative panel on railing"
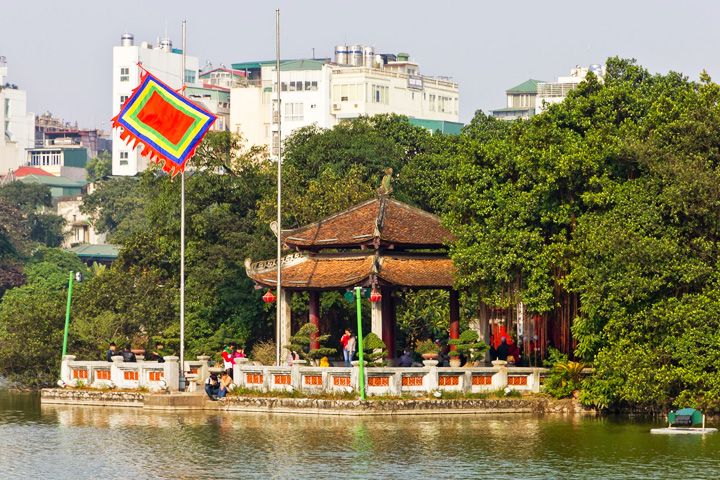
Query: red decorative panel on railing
(253, 378)
(79, 373)
(156, 376)
(482, 380)
(517, 380)
(313, 379)
(282, 379)
(102, 374)
(448, 380)
(379, 381)
(412, 381)
(131, 375)
(341, 381)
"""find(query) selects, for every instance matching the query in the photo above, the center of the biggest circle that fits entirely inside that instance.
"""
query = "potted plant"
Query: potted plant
(469, 346)
(374, 350)
(429, 352)
(564, 380)
(300, 343)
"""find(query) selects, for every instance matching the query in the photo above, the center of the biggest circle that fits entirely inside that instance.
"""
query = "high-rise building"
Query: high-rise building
(357, 83)
(165, 63)
(17, 125)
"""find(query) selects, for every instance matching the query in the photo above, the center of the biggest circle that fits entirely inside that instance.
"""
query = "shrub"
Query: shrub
(469, 346)
(427, 346)
(300, 343)
(374, 350)
(264, 352)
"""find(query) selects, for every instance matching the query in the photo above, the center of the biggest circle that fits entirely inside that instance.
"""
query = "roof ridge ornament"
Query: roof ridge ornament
(385, 187)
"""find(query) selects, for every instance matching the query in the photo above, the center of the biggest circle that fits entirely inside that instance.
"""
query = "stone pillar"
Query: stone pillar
(388, 321)
(315, 316)
(284, 297)
(116, 375)
(172, 373)
(204, 369)
(454, 316)
(65, 370)
(376, 317)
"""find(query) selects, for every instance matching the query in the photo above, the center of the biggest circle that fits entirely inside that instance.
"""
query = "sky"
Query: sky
(60, 53)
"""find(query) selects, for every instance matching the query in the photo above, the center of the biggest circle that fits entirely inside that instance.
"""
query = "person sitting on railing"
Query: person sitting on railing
(157, 354)
(128, 355)
(111, 352)
(406, 359)
(212, 386)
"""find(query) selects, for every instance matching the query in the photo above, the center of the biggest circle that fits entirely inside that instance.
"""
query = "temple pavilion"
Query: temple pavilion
(382, 244)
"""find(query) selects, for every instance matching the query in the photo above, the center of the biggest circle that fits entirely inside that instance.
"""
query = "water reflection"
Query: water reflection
(65, 441)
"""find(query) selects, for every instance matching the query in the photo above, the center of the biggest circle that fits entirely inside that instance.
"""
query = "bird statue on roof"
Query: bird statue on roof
(385, 187)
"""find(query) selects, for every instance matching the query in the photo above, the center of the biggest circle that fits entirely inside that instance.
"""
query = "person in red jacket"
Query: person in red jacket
(228, 360)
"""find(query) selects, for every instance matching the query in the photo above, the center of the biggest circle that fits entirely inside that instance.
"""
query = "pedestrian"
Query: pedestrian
(502, 349)
(157, 354)
(228, 361)
(111, 352)
(406, 359)
(350, 347)
(343, 341)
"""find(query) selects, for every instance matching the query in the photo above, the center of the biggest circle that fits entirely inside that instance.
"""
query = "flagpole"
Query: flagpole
(182, 236)
(279, 188)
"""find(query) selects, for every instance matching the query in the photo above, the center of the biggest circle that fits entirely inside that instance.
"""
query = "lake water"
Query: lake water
(72, 442)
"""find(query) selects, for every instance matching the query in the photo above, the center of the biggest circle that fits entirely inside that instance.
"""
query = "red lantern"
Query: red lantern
(375, 296)
(269, 297)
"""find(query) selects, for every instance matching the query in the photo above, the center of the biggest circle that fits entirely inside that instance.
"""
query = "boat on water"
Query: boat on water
(683, 422)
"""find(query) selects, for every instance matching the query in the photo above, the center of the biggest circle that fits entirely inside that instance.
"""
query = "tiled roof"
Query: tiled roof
(25, 171)
(528, 86)
(381, 220)
(337, 271)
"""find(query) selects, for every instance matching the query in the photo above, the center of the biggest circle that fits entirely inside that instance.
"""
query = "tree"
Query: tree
(99, 167)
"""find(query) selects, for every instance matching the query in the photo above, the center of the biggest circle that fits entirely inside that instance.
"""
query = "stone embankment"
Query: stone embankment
(198, 401)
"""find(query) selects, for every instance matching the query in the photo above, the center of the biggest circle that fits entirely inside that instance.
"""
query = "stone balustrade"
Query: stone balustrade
(388, 381)
(121, 375)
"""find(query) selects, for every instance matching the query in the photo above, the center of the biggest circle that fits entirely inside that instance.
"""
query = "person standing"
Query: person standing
(350, 347)
(344, 341)
(228, 360)
(111, 352)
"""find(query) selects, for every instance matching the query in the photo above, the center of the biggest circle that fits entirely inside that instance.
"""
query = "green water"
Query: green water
(72, 442)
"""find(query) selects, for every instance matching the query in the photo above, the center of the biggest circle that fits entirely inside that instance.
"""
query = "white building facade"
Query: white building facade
(325, 93)
(17, 125)
(549, 93)
(163, 62)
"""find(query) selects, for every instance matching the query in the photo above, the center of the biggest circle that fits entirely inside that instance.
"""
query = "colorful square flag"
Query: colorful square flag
(168, 125)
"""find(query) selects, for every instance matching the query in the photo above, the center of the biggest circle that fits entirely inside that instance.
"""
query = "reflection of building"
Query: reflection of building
(17, 129)
(165, 63)
(358, 82)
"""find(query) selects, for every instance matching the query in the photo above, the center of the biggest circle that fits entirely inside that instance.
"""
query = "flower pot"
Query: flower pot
(455, 362)
(429, 356)
(430, 363)
(498, 363)
(356, 363)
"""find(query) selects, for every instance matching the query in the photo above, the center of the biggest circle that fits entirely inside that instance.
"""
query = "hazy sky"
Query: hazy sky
(60, 52)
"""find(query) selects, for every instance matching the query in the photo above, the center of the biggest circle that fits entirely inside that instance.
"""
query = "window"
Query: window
(124, 74)
(123, 158)
(189, 76)
(380, 94)
(432, 102)
(123, 98)
(349, 92)
(294, 111)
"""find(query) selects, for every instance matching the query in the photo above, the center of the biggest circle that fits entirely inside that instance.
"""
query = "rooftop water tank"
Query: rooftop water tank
(166, 44)
(341, 54)
(403, 57)
(368, 57)
(355, 54)
(127, 40)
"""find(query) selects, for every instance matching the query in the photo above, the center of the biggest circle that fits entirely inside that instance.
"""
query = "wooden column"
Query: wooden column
(315, 316)
(284, 297)
(454, 316)
(388, 321)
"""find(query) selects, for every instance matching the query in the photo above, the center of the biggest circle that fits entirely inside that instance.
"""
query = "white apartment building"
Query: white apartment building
(555, 92)
(358, 83)
(165, 63)
(17, 125)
